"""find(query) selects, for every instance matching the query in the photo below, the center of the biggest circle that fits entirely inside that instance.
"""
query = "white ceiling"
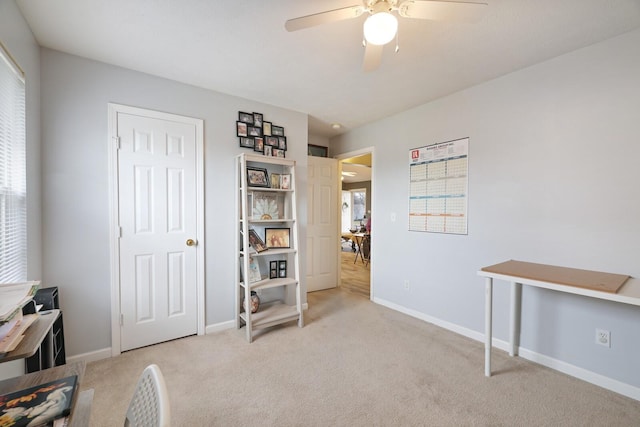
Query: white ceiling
(240, 47)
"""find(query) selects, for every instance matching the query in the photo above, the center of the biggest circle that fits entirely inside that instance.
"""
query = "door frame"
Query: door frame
(114, 226)
(347, 155)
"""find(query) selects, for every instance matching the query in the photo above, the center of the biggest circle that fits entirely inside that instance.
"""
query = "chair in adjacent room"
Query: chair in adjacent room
(149, 405)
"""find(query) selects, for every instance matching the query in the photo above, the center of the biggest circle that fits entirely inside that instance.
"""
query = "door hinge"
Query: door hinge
(121, 319)
(116, 140)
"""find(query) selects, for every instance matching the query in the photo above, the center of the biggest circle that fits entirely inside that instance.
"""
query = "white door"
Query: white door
(157, 214)
(323, 230)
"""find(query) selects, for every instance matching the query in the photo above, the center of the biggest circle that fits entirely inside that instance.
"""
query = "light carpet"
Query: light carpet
(355, 363)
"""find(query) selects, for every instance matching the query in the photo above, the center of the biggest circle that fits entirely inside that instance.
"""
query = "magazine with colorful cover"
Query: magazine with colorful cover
(38, 405)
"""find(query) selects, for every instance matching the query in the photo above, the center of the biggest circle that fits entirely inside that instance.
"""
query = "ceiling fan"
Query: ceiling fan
(381, 26)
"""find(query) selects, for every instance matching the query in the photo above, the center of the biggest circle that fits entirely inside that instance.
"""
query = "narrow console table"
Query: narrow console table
(605, 286)
(35, 334)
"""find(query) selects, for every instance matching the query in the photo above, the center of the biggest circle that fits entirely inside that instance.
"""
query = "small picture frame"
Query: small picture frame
(256, 242)
(282, 143)
(277, 237)
(282, 268)
(245, 117)
(273, 270)
(285, 181)
(257, 119)
(277, 152)
(277, 131)
(257, 177)
(254, 270)
(246, 142)
(268, 150)
(272, 141)
(258, 144)
(241, 129)
(317, 150)
(266, 128)
(254, 131)
(275, 180)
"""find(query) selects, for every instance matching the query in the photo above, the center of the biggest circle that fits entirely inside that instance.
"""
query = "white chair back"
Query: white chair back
(149, 405)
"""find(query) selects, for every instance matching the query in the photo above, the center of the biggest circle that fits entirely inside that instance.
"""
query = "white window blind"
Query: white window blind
(13, 185)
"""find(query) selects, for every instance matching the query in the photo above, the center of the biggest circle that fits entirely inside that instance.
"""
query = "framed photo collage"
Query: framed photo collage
(259, 135)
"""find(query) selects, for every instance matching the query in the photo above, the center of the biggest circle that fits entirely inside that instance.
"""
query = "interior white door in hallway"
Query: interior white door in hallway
(323, 238)
(158, 214)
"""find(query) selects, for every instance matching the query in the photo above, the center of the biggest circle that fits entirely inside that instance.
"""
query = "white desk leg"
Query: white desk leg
(488, 302)
(516, 304)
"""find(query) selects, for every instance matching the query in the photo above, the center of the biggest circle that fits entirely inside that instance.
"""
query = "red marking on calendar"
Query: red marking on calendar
(415, 154)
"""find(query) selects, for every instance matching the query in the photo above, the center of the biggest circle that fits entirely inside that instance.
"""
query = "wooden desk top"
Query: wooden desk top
(607, 286)
(81, 406)
(33, 336)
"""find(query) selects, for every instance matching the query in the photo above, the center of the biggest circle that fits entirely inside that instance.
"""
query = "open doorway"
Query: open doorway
(356, 216)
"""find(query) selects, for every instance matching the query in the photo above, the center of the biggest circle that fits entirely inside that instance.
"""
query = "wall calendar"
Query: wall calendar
(438, 182)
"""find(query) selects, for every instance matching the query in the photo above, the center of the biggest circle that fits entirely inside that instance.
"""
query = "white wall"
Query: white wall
(553, 178)
(75, 93)
(17, 38)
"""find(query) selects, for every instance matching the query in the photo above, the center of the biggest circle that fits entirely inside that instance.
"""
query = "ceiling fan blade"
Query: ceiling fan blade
(372, 57)
(324, 18)
(438, 10)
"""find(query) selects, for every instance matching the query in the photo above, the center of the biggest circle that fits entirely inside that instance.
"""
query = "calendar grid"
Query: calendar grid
(438, 187)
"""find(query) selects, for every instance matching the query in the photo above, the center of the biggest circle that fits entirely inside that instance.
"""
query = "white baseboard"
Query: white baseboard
(558, 365)
(92, 356)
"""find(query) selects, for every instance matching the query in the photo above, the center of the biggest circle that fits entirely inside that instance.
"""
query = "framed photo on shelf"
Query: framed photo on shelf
(277, 152)
(268, 150)
(273, 270)
(256, 242)
(241, 129)
(285, 181)
(245, 117)
(254, 271)
(282, 268)
(275, 180)
(257, 177)
(277, 131)
(258, 144)
(267, 206)
(266, 128)
(257, 119)
(277, 237)
(246, 142)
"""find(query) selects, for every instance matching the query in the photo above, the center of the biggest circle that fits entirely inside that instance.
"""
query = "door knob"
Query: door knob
(191, 242)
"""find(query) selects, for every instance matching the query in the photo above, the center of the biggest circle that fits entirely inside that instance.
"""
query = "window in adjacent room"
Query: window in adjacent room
(13, 186)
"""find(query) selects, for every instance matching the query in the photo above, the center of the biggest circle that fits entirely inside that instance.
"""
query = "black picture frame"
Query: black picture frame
(282, 268)
(268, 150)
(256, 242)
(272, 141)
(273, 270)
(277, 130)
(241, 129)
(282, 143)
(257, 119)
(317, 150)
(245, 118)
(266, 128)
(278, 152)
(257, 177)
(258, 144)
(254, 131)
(246, 142)
(277, 237)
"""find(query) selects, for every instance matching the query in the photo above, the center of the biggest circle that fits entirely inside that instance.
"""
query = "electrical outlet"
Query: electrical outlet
(406, 285)
(603, 337)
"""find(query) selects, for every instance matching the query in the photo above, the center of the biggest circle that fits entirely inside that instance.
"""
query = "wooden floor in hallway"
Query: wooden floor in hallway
(355, 275)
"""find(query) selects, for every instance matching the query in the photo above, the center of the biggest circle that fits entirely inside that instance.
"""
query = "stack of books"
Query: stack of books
(13, 323)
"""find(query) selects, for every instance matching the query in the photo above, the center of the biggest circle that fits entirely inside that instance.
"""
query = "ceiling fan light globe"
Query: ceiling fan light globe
(380, 28)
